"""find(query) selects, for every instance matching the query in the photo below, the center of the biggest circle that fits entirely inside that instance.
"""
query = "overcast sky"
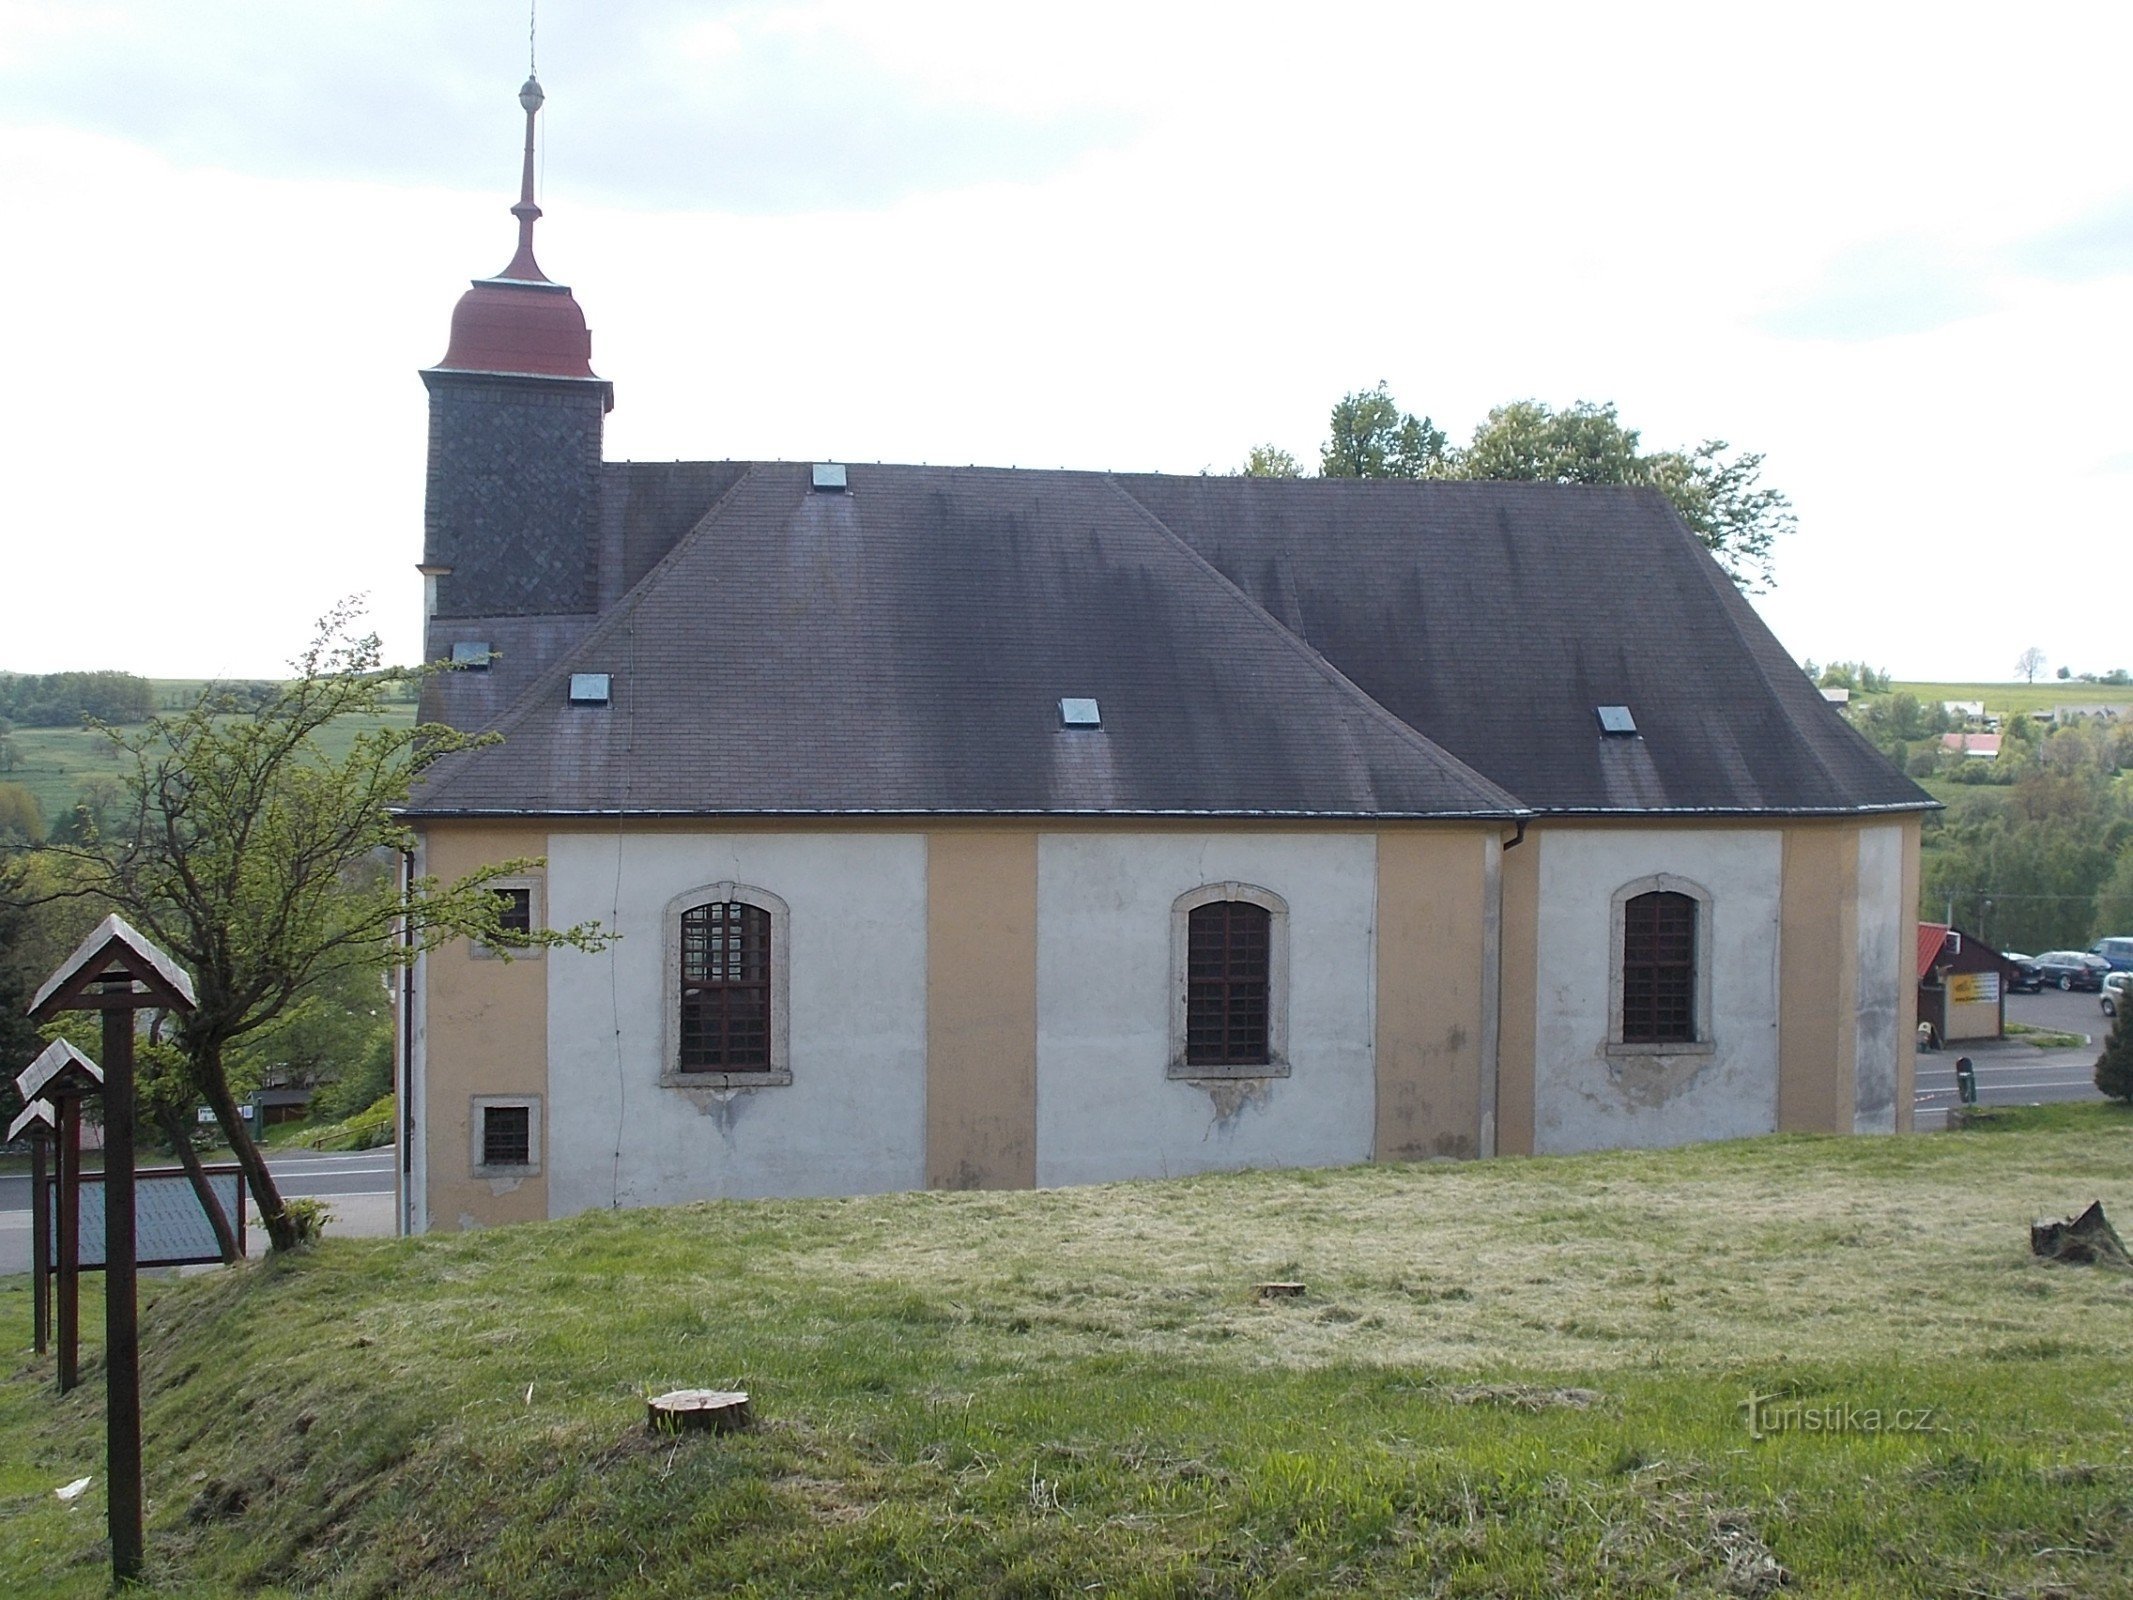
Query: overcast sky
(1890, 247)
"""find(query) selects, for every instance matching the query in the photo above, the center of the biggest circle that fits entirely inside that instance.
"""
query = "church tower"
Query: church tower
(511, 519)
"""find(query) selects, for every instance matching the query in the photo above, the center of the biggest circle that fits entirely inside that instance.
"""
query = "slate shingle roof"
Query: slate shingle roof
(1259, 648)
(1497, 618)
(903, 648)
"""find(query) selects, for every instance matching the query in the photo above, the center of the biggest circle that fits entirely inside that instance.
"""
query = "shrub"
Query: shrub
(2114, 1068)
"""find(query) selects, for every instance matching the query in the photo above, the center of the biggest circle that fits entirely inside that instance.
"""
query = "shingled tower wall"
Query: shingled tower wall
(511, 521)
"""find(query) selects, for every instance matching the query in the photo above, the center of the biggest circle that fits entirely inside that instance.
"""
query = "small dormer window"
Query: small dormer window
(1078, 713)
(471, 655)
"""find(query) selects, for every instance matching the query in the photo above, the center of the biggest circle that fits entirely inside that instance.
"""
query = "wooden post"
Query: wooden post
(40, 1245)
(117, 972)
(122, 1321)
(69, 1267)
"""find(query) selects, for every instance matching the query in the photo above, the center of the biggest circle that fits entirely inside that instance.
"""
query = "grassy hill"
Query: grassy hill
(1521, 1378)
(56, 763)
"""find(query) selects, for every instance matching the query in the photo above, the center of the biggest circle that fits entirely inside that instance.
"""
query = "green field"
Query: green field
(2005, 699)
(1511, 1378)
(54, 764)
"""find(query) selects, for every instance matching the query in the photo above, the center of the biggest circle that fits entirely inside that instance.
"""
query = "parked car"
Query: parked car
(2117, 991)
(2117, 951)
(2026, 979)
(2072, 969)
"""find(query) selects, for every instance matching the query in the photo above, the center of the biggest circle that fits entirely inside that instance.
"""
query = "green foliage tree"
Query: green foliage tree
(2114, 1067)
(2114, 901)
(62, 699)
(1716, 492)
(246, 851)
(2037, 871)
(1371, 437)
(21, 818)
(1270, 461)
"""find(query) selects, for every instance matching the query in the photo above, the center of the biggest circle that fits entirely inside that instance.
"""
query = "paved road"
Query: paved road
(2010, 1073)
(357, 1185)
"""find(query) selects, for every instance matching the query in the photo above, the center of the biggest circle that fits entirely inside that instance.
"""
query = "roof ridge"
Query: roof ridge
(1311, 655)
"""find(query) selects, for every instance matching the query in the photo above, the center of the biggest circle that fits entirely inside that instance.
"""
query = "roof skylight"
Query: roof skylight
(1075, 713)
(1616, 719)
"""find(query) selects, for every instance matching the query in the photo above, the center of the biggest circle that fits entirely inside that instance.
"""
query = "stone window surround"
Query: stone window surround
(1704, 1043)
(536, 917)
(481, 1104)
(779, 1071)
(1277, 989)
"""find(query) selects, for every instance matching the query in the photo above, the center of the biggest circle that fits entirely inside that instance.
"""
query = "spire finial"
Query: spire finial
(523, 267)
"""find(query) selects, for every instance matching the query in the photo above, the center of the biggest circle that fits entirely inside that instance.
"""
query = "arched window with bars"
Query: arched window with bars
(726, 987)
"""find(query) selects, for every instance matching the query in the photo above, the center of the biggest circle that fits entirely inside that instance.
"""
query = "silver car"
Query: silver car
(2117, 987)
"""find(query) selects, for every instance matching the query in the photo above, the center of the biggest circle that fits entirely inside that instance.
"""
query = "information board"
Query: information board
(170, 1225)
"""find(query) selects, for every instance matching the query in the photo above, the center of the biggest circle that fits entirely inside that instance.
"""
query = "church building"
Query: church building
(982, 828)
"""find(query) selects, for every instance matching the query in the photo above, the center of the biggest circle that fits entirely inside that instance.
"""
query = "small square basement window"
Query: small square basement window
(1079, 714)
(507, 1136)
(1616, 719)
(471, 654)
(591, 688)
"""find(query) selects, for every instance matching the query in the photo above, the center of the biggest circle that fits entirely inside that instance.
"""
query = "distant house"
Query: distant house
(1837, 697)
(1962, 985)
(1978, 746)
(1968, 710)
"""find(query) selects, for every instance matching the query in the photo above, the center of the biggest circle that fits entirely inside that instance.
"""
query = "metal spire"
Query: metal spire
(523, 267)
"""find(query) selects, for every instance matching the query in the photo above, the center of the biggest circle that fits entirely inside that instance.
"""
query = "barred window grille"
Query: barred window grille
(514, 911)
(725, 988)
(1659, 968)
(506, 1136)
(1227, 960)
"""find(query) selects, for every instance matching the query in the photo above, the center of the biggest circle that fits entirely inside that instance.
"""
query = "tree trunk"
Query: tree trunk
(174, 1129)
(273, 1212)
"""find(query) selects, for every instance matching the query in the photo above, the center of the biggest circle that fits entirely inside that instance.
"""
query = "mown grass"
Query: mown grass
(1514, 1378)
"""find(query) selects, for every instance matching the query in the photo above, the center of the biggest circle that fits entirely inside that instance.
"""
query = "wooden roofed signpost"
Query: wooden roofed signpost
(61, 1078)
(118, 972)
(39, 1124)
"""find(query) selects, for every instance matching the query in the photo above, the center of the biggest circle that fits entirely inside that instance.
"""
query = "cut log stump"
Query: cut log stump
(699, 1411)
(1281, 1291)
(2086, 1240)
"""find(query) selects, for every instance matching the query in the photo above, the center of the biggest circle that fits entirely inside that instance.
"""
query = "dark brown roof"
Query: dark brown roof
(1258, 647)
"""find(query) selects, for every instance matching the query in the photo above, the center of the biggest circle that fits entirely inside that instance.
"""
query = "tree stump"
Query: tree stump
(1281, 1291)
(2086, 1240)
(699, 1411)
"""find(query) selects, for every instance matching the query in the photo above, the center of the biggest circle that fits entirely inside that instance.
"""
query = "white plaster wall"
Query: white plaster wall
(852, 1121)
(1881, 912)
(1106, 1108)
(1587, 1099)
